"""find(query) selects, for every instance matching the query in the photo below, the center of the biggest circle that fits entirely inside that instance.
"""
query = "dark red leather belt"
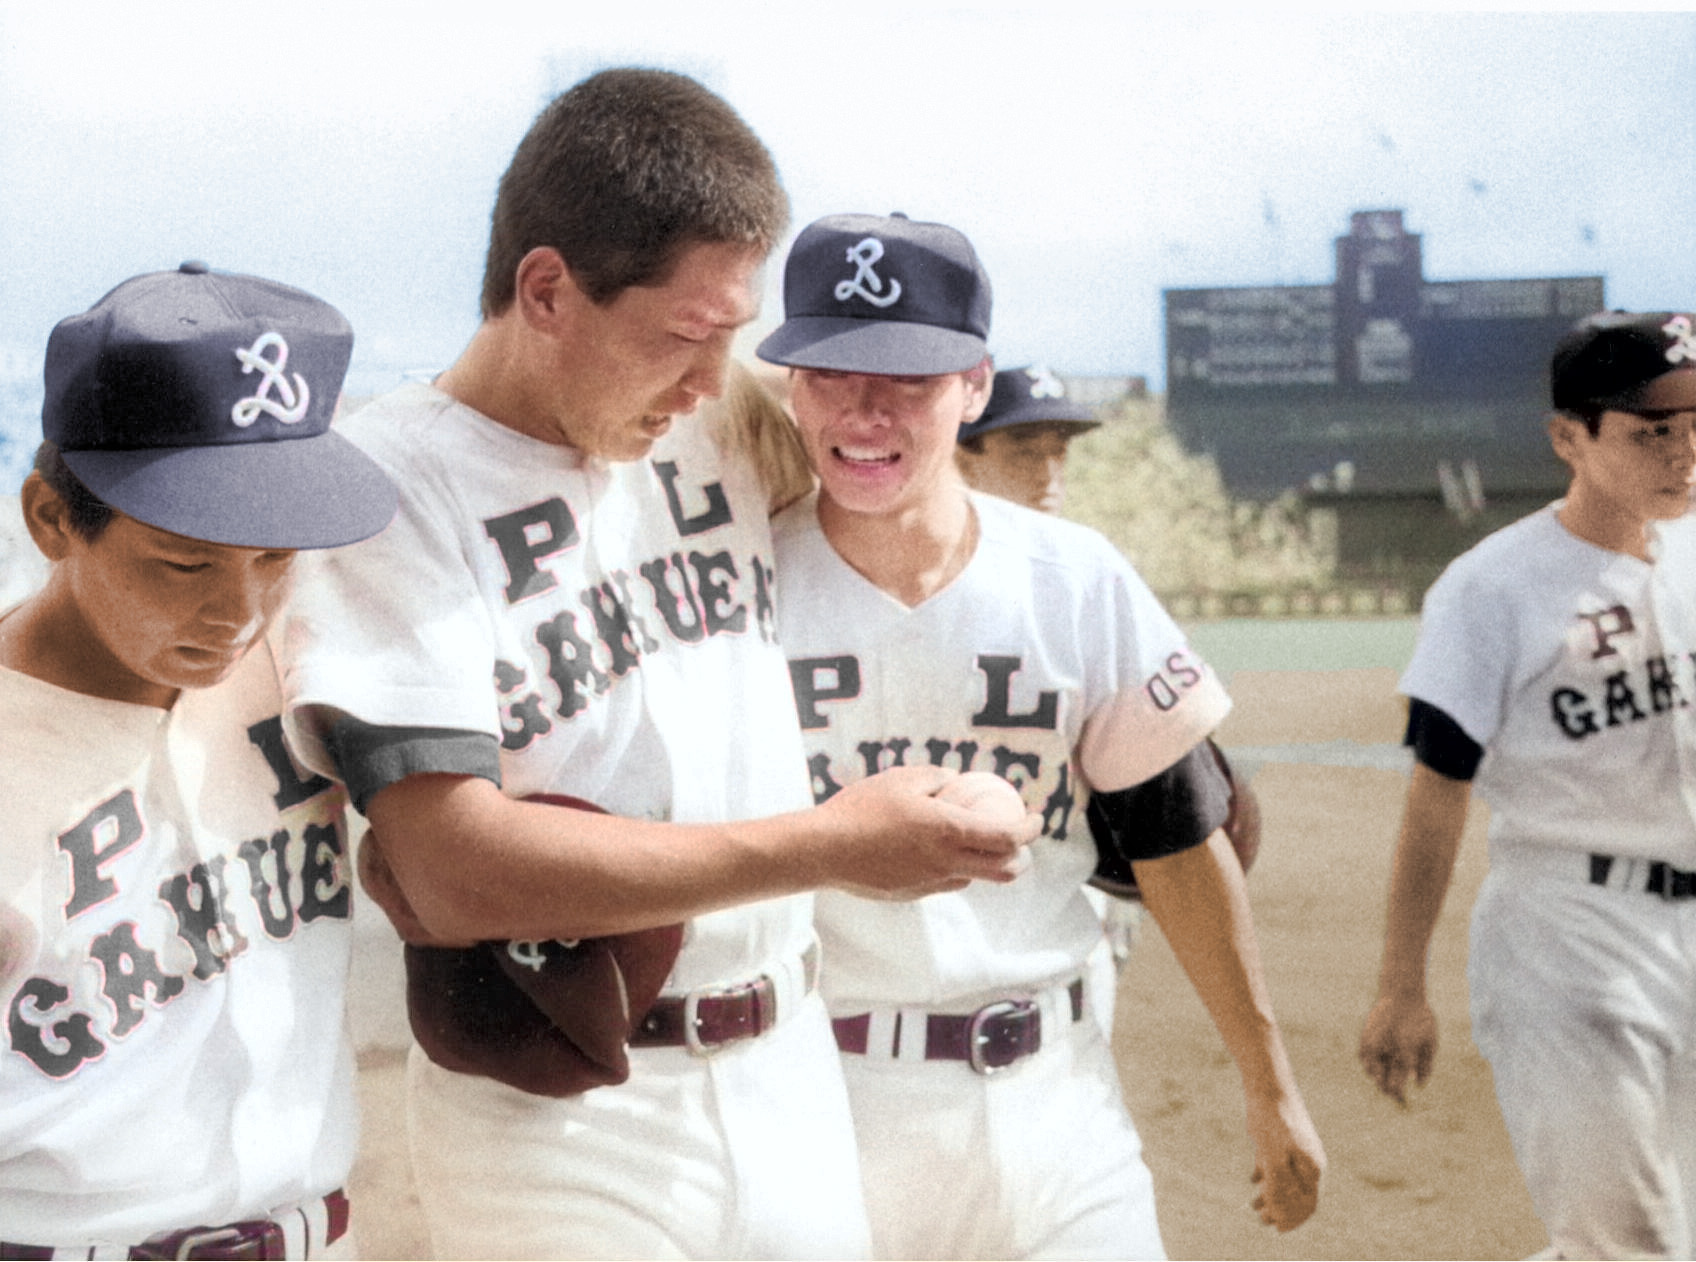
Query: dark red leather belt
(254, 1240)
(705, 1020)
(992, 1038)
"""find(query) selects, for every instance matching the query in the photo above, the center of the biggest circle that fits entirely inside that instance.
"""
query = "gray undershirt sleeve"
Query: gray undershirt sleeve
(370, 758)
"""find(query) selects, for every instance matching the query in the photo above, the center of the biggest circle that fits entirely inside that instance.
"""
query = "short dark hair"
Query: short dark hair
(88, 512)
(620, 174)
(1591, 418)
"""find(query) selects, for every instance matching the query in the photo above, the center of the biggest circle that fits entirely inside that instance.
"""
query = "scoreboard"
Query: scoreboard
(1464, 335)
(1386, 372)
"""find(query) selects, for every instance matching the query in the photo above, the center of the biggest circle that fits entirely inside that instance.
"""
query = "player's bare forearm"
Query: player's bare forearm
(1199, 900)
(475, 863)
(1399, 1037)
(1432, 821)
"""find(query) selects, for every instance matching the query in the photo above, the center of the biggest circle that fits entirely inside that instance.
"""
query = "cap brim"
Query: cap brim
(885, 347)
(1055, 412)
(317, 492)
(1621, 401)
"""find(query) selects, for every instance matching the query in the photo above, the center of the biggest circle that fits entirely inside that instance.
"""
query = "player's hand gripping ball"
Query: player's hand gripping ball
(986, 794)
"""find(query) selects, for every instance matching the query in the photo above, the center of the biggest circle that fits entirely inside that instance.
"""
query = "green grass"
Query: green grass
(1304, 643)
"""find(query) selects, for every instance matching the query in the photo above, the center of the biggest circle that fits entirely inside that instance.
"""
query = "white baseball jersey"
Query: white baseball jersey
(612, 626)
(610, 623)
(174, 941)
(1575, 667)
(1047, 661)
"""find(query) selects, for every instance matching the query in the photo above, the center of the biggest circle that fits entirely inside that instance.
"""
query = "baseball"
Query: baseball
(986, 794)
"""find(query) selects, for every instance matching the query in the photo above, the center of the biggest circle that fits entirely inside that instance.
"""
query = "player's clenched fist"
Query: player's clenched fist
(1399, 1038)
(1288, 1162)
(897, 832)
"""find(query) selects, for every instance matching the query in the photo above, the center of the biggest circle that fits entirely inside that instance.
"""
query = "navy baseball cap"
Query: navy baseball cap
(1608, 359)
(881, 294)
(199, 402)
(1030, 396)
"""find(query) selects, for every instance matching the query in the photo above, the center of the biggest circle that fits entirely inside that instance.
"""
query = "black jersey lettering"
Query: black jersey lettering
(94, 841)
(715, 513)
(997, 709)
(292, 787)
(56, 1047)
(526, 537)
(129, 971)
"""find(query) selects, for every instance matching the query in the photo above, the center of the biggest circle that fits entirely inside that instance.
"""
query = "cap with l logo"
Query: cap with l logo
(1030, 396)
(881, 294)
(200, 402)
(1607, 360)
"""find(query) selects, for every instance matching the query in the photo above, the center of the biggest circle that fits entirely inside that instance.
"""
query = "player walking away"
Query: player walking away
(1554, 666)
(575, 600)
(177, 1080)
(929, 625)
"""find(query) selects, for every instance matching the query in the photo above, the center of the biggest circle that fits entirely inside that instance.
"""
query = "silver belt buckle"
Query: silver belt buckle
(978, 1050)
(692, 1020)
(192, 1242)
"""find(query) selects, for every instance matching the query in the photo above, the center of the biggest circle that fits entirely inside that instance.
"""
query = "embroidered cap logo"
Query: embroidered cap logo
(1044, 384)
(1683, 346)
(291, 402)
(866, 283)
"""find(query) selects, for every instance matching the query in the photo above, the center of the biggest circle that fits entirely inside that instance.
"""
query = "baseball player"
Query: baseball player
(929, 625)
(576, 600)
(1017, 448)
(177, 1079)
(1554, 667)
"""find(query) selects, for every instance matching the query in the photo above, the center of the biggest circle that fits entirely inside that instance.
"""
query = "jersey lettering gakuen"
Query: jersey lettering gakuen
(684, 597)
(1046, 661)
(176, 926)
(1574, 667)
(609, 624)
(1638, 688)
(132, 934)
(1049, 787)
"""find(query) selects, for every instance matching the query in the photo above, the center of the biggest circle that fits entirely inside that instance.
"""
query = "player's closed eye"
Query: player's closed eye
(1662, 435)
(1663, 414)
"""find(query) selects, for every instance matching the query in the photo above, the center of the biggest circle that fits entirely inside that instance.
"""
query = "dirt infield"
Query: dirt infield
(1433, 1180)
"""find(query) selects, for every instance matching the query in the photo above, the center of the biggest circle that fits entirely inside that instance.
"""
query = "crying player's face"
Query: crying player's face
(883, 444)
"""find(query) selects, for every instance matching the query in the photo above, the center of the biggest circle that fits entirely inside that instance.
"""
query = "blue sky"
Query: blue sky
(1094, 153)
